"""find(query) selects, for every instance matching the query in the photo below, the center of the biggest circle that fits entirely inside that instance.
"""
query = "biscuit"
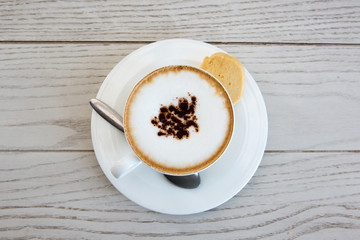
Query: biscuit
(229, 71)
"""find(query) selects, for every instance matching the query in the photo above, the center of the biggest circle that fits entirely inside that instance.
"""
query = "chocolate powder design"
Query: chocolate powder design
(176, 120)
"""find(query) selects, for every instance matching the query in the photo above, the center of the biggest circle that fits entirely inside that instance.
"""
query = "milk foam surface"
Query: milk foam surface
(213, 117)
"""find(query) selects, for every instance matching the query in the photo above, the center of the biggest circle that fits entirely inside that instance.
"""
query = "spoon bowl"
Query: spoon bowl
(189, 181)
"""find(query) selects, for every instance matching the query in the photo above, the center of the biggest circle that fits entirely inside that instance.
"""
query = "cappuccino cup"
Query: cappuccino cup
(178, 120)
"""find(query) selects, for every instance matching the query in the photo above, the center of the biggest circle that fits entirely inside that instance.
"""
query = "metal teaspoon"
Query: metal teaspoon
(110, 115)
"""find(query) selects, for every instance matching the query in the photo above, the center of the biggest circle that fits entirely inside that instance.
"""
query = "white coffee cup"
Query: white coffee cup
(178, 119)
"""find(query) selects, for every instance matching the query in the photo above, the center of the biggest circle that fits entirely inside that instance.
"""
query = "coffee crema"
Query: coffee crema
(178, 120)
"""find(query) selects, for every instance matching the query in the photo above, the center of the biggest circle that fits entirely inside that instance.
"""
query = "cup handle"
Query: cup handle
(125, 165)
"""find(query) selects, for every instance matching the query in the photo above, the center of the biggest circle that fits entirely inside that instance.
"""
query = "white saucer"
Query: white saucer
(150, 189)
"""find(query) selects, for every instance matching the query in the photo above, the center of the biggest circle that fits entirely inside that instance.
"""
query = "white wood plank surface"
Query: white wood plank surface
(304, 55)
(208, 20)
(311, 92)
(64, 195)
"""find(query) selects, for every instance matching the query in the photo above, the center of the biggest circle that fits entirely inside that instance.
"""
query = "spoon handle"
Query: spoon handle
(107, 113)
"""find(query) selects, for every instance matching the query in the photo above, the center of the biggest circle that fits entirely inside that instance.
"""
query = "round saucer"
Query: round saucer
(150, 189)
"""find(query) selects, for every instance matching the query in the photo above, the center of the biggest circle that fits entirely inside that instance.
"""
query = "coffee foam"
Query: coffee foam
(213, 111)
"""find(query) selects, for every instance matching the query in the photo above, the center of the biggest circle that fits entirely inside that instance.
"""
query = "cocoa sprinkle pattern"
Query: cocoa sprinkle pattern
(176, 120)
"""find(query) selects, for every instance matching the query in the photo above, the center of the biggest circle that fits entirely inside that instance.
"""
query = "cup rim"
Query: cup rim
(210, 162)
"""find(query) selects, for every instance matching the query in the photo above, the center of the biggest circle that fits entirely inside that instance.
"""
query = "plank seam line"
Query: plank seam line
(147, 42)
(266, 151)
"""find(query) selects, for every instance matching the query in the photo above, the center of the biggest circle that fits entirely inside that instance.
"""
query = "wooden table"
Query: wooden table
(304, 55)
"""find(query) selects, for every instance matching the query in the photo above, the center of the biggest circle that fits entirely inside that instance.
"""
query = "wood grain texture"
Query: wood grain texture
(304, 55)
(311, 93)
(222, 21)
(64, 195)
(45, 92)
